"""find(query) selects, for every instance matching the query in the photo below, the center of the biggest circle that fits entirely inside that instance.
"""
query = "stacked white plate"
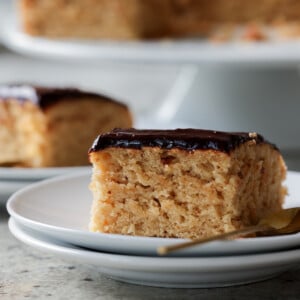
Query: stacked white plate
(53, 216)
(13, 179)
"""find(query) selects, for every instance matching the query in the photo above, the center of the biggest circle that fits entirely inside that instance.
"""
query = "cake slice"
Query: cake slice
(144, 19)
(46, 127)
(184, 183)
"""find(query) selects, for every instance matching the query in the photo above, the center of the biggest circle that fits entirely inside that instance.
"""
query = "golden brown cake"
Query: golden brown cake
(44, 127)
(185, 183)
(138, 19)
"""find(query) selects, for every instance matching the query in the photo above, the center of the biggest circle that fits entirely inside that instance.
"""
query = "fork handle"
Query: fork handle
(248, 230)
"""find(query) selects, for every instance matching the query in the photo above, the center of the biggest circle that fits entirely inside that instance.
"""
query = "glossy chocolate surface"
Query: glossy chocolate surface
(186, 139)
(46, 96)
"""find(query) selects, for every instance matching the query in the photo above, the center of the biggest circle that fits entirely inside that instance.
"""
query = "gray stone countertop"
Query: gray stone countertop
(27, 273)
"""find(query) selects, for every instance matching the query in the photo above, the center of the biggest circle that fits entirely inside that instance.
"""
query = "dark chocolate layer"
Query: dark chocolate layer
(46, 96)
(186, 139)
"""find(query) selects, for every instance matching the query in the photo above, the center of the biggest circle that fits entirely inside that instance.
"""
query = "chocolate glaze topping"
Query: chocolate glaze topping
(46, 96)
(186, 139)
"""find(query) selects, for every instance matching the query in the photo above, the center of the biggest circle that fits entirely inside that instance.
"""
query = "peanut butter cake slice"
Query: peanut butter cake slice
(44, 127)
(185, 183)
(148, 19)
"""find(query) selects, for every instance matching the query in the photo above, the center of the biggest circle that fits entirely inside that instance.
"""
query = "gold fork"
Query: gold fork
(285, 221)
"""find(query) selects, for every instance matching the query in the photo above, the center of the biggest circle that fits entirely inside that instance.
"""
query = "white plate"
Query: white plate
(178, 51)
(7, 188)
(176, 272)
(34, 174)
(60, 207)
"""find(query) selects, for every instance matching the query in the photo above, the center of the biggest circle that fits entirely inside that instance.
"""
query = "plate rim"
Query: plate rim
(180, 264)
(32, 174)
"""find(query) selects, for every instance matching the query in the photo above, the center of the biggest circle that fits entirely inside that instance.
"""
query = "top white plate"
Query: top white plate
(34, 174)
(60, 207)
(179, 51)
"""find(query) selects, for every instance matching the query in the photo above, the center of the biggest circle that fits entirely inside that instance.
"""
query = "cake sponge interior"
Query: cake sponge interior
(187, 194)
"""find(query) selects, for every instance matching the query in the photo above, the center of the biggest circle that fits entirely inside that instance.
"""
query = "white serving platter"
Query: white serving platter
(197, 50)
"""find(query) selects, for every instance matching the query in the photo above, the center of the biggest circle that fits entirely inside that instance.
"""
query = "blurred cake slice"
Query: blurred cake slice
(142, 19)
(44, 127)
(184, 183)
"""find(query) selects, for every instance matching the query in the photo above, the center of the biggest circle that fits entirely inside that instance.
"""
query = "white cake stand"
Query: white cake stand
(233, 86)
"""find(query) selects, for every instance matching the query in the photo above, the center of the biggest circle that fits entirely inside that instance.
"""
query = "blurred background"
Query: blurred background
(139, 85)
(246, 87)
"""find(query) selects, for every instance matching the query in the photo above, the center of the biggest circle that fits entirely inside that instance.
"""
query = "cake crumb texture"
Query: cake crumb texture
(186, 194)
